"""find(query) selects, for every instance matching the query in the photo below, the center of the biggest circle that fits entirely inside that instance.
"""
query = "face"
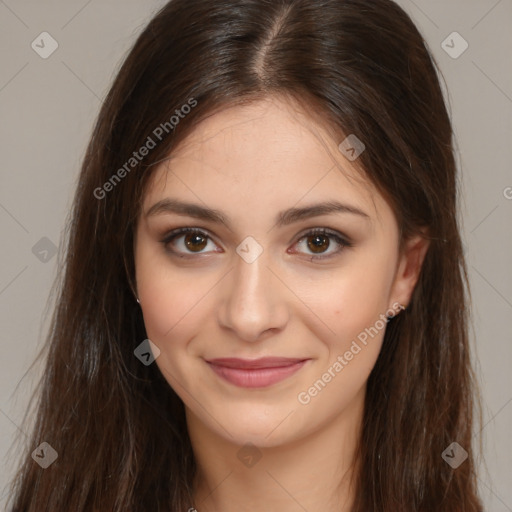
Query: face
(291, 253)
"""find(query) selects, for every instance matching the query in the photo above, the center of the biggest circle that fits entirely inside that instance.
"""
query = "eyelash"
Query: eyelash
(342, 241)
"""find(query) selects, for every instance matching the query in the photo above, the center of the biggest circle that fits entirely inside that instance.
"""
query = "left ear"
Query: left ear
(409, 267)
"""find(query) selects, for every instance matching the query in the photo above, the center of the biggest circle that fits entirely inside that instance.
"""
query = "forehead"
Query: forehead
(268, 152)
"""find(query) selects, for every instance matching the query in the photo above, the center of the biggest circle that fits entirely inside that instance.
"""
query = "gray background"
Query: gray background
(47, 107)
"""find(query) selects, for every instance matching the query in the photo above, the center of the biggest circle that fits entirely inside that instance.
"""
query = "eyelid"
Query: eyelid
(325, 231)
(178, 232)
(341, 239)
(183, 230)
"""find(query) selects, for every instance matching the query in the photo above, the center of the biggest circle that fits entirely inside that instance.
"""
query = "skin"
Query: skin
(251, 162)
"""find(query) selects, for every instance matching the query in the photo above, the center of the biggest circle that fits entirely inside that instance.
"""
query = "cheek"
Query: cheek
(353, 303)
(174, 314)
(351, 299)
(351, 306)
(171, 308)
(172, 299)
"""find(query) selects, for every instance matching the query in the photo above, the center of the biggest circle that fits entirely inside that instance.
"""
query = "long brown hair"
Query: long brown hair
(117, 426)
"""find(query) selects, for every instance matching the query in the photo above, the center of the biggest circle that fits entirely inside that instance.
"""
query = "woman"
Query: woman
(263, 305)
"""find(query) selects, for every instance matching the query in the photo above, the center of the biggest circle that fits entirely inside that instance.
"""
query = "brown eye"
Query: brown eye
(318, 243)
(188, 242)
(195, 241)
(322, 242)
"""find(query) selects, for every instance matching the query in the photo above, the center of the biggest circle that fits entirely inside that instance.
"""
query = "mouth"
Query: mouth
(255, 373)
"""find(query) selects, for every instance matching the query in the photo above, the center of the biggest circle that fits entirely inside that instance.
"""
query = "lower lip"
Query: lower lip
(256, 378)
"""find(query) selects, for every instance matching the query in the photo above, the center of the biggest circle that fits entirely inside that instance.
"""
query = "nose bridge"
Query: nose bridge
(253, 302)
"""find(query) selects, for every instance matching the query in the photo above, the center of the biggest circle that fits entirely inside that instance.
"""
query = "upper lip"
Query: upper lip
(264, 362)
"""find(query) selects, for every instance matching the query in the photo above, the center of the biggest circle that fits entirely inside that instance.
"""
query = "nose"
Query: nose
(254, 301)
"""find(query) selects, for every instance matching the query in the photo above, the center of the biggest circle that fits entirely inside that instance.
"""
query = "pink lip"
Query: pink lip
(255, 373)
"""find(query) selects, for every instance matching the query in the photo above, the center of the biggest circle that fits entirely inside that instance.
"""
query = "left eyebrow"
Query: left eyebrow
(316, 210)
(283, 218)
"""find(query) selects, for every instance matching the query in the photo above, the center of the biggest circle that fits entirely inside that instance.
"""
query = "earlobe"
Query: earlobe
(409, 268)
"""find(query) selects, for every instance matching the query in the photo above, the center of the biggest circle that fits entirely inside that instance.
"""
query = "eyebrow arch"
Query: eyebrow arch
(283, 218)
